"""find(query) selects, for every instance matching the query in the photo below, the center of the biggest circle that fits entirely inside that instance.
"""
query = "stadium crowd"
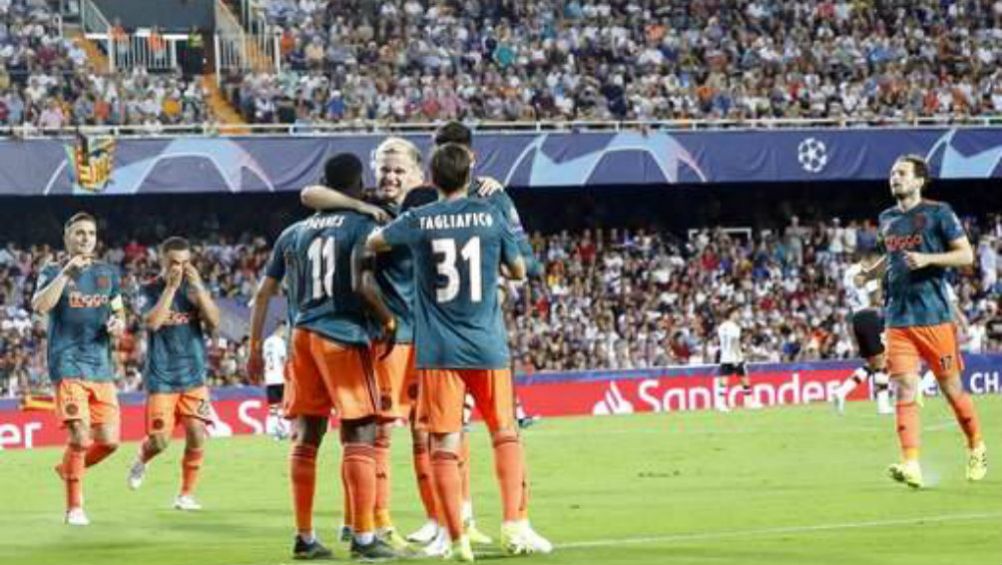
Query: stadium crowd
(46, 83)
(413, 60)
(612, 298)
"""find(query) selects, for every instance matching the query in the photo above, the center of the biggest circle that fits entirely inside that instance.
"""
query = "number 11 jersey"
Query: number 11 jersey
(458, 248)
(314, 257)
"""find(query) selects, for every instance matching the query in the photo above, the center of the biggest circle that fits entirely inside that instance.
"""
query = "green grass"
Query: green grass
(793, 485)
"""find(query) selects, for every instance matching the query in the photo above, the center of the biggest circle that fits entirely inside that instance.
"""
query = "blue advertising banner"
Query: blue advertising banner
(105, 165)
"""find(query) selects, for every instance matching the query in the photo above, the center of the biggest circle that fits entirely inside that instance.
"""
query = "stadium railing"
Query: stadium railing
(210, 129)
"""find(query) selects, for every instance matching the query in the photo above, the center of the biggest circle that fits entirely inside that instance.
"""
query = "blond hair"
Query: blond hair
(397, 145)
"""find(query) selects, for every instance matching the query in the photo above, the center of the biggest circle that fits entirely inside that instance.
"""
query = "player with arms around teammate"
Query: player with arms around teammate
(177, 309)
(867, 329)
(922, 239)
(330, 365)
(732, 362)
(83, 301)
(459, 245)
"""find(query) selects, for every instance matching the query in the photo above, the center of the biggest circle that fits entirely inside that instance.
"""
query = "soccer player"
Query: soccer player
(275, 356)
(83, 301)
(867, 328)
(459, 245)
(330, 363)
(732, 362)
(921, 240)
(177, 309)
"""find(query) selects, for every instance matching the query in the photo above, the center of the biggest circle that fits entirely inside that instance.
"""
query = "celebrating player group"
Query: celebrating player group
(394, 315)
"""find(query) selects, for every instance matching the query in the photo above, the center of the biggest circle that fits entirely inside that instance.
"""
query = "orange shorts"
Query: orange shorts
(397, 378)
(441, 393)
(325, 375)
(93, 402)
(936, 345)
(165, 409)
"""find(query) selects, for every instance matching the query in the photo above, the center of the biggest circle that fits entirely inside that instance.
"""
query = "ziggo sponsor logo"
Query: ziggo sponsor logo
(81, 300)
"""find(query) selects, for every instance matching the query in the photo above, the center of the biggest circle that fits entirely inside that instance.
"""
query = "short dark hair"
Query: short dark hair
(79, 217)
(450, 167)
(344, 172)
(919, 167)
(174, 243)
(454, 132)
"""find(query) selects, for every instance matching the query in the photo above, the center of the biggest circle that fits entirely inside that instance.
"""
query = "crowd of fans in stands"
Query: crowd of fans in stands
(610, 298)
(416, 60)
(46, 83)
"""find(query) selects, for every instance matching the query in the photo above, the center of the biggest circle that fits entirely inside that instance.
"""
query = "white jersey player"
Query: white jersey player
(275, 354)
(732, 362)
(867, 329)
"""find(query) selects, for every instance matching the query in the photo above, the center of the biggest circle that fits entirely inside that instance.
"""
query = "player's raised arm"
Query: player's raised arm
(51, 284)
(158, 314)
(319, 197)
(959, 255)
(202, 298)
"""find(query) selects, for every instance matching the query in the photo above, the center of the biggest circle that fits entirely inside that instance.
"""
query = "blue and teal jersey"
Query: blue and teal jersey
(500, 200)
(917, 298)
(458, 248)
(79, 345)
(175, 353)
(318, 271)
(283, 255)
(395, 275)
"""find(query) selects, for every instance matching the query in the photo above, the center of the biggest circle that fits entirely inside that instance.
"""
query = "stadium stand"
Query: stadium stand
(414, 61)
(611, 299)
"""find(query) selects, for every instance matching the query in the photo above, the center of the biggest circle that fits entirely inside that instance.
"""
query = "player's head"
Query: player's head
(80, 234)
(456, 132)
(909, 175)
(344, 172)
(174, 252)
(733, 313)
(397, 164)
(450, 168)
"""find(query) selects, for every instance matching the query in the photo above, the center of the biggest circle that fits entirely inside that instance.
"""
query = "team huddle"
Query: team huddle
(394, 315)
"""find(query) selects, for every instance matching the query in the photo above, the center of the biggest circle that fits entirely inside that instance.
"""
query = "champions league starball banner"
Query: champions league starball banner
(106, 165)
(244, 411)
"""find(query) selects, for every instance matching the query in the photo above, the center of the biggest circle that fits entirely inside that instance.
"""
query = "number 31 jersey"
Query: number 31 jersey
(458, 247)
(314, 257)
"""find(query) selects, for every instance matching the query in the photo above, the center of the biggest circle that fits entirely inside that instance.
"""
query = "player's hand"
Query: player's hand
(76, 264)
(487, 186)
(174, 277)
(389, 337)
(255, 366)
(375, 212)
(916, 261)
(115, 326)
(194, 278)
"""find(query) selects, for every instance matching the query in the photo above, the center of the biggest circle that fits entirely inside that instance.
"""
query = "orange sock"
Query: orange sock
(98, 452)
(908, 430)
(360, 467)
(346, 495)
(967, 417)
(191, 463)
(303, 473)
(382, 452)
(509, 469)
(464, 465)
(426, 488)
(73, 472)
(449, 488)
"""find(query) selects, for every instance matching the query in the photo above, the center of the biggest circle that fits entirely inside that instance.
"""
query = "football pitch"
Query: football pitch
(797, 485)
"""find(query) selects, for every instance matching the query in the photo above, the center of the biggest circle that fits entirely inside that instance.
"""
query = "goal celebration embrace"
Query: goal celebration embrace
(636, 282)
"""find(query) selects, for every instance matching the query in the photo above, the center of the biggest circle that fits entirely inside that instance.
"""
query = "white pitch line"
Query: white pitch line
(779, 531)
